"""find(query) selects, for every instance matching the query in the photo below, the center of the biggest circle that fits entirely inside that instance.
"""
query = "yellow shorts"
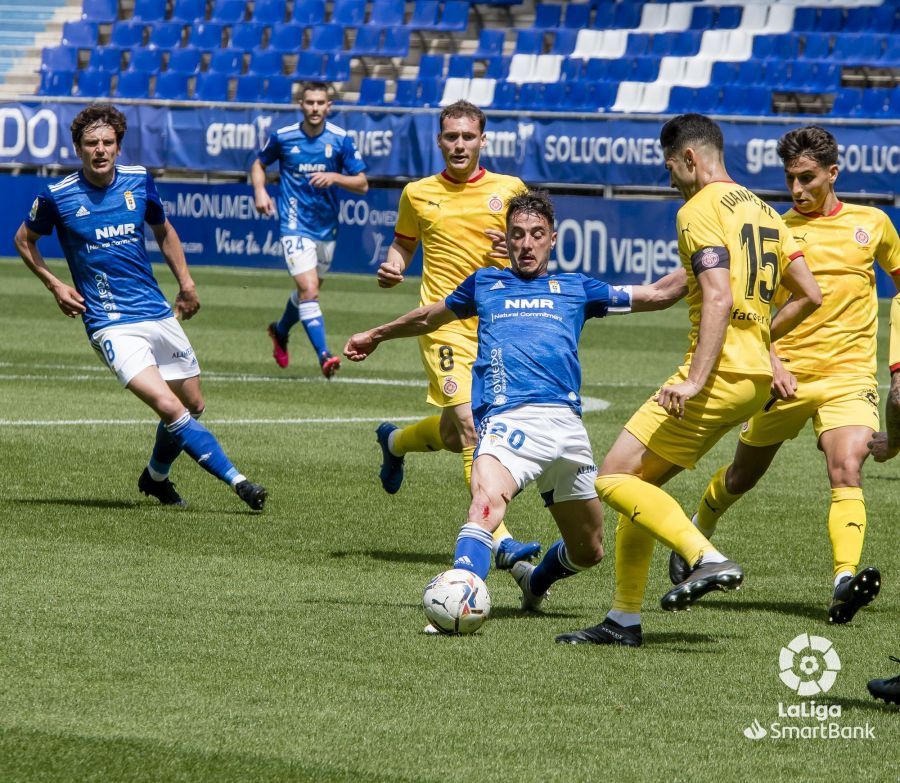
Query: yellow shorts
(727, 400)
(448, 358)
(830, 401)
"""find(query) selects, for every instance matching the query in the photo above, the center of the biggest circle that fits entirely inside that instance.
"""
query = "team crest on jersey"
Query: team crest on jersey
(554, 286)
(129, 200)
(34, 208)
(328, 150)
(861, 236)
(745, 426)
(495, 203)
(450, 386)
(710, 257)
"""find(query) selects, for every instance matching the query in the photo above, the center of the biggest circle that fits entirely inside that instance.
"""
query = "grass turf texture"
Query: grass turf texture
(144, 643)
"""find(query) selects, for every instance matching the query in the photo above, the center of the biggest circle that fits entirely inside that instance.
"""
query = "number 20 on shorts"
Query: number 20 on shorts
(515, 438)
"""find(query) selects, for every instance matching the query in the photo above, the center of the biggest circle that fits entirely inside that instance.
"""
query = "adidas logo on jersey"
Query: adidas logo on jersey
(82, 211)
(497, 286)
(294, 149)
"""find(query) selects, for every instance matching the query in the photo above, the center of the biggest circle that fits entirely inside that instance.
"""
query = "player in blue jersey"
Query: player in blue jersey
(99, 214)
(313, 157)
(526, 391)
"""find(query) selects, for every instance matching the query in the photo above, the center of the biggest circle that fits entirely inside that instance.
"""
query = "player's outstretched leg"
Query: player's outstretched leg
(508, 551)
(314, 324)
(535, 581)
(154, 481)
(607, 632)
(391, 471)
(704, 578)
(852, 593)
(888, 690)
(162, 489)
(280, 330)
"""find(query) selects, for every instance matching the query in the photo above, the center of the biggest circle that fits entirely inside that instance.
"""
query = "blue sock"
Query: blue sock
(290, 316)
(165, 452)
(314, 322)
(555, 565)
(473, 550)
(202, 446)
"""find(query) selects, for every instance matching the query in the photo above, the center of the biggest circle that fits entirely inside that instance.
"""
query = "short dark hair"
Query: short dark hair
(810, 141)
(687, 130)
(535, 202)
(99, 114)
(462, 109)
(315, 87)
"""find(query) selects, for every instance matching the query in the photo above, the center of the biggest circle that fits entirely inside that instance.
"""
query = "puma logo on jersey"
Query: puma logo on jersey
(525, 304)
(114, 231)
(800, 237)
(82, 211)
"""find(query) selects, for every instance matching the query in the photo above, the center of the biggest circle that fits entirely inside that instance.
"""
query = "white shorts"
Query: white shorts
(129, 348)
(542, 443)
(302, 254)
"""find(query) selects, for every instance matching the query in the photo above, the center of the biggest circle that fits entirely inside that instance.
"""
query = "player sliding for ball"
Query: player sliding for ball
(525, 390)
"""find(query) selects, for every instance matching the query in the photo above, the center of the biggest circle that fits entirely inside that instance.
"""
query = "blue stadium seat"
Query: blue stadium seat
(247, 35)
(424, 15)
(572, 69)
(530, 42)
(431, 66)
(890, 57)
(816, 46)
(185, 61)
(278, 89)
(212, 86)
(430, 91)
(552, 96)
(59, 58)
(249, 88)
(858, 20)
(604, 16)
(603, 95)
(309, 66)
(387, 13)
(703, 17)
(729, 17)
(602, 70)
(309, 12)
(371, 92)
(145, 60)
(857, 49)
(337, 67)
(80, 33)
(885, 18)
(627, 16)
(831, 20)
(172, 86)
(496, 67)
(577, 96)
(643, 69)
(576, 16)
(504, 96)
(490, 42)
(349, 13)
(133, 84)
(686, 44)
(93, 84)
(269, 12)
(875, 102)
(722, 73)
(127, 35)
(547, 16)
(206, 35)
(165, 35)
(407, 93)
(266, 62)
(847, 102)
(368, 41)
(396, 42)
(638, 44)
(805, 19)
(682, 100)
(228, 11)
(777, 72)
(150, 10)
(188, 12)
(461, 66)
(749, 72)
(762, 47)
(564, 42)
(894, 105)
(100, 11)
(707, 99)
(746, 100)
(56, 83)
(227, 61)
(105, 58)
(326, 38)
(454, 17)
(287, 38)
(803, 76)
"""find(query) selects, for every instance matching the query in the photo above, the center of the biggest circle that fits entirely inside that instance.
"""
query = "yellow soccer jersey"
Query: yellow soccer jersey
(726, 222)
(841, 249)
(449, 219)
(894, 355)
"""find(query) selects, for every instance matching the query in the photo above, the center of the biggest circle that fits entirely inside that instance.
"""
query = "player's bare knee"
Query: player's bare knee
(739, 480)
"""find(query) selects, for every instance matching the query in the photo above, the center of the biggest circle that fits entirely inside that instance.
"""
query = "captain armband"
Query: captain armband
(710, 258)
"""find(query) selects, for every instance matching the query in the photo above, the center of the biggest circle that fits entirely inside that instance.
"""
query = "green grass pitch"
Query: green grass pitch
(139, 643)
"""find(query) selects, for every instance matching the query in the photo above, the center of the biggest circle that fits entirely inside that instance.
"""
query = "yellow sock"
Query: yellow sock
(715, 502)
(424, 435)
(847, 527)
(634, 548)
(468, 455)
(653, 510)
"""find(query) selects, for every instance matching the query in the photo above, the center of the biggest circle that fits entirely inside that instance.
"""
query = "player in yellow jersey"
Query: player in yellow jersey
(448, 213)
(736, 251)
(825, 368)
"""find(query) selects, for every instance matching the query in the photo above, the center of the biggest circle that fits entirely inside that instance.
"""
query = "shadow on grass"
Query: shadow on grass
(78, 502)
(432, 558)
(514, 613)
(792, 608)
(867, 705)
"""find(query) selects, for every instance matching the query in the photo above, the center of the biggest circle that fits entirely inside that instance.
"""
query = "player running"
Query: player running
(99, 214)
(825, 368)
(449, 213)
(313, 157)
(735, 250)
(525, 390)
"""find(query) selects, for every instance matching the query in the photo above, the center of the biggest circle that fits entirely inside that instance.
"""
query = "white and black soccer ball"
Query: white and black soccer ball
(457, 601)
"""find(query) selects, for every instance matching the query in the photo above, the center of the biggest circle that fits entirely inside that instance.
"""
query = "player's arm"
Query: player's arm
(422, 320)
(264, 203)
(67, 298)
(399, 255)
(806, 298)
(662, 294)
(355, 183)
(186, 301)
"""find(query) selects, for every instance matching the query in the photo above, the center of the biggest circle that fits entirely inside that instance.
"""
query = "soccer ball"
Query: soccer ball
(456, 601)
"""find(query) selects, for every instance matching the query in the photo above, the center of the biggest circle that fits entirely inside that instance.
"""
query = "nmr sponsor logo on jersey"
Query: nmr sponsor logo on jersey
(108, 232)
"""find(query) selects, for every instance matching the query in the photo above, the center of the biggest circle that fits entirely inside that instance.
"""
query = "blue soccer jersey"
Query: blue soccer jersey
(528, 332)
(101, 231)
(303, 209)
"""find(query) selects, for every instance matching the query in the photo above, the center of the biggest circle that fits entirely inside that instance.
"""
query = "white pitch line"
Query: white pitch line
(142, 422)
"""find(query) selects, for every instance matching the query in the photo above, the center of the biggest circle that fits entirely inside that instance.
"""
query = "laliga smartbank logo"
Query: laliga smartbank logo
(809, 666)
